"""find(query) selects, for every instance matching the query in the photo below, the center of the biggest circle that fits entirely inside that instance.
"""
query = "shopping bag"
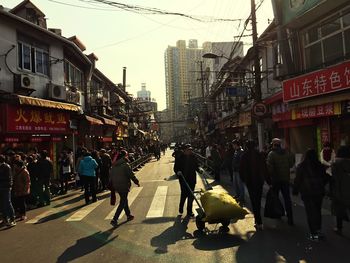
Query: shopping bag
(221, 206)
(113, 198)
(273, 206)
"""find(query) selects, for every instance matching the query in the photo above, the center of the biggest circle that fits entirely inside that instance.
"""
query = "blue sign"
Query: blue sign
(236, 91)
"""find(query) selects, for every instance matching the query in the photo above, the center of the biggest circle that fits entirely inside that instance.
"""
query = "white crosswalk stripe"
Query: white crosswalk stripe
(52, 211)
(131, 198)
(83, 212)
(158, 203)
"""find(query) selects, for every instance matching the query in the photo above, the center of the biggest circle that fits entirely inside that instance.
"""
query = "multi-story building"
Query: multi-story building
(314, 40)
(144, 93)
(45, 85)
(182, 71)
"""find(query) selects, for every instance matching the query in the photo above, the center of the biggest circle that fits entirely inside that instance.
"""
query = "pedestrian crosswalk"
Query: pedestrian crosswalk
(73, 209)
(131, 198)
(158, 203)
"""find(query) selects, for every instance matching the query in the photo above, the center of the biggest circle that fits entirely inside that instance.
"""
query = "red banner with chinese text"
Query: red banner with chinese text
(323, 110)
(21, 119)
(317, 83)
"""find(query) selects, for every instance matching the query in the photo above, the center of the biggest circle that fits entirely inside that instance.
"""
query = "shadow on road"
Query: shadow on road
(171, 178)
(86, 245)
(215, 240)
(177, 232)
(59, 214)
(267, 246)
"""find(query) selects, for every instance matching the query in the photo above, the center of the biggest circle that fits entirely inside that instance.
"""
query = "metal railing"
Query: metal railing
(140, 161)
(204, 162)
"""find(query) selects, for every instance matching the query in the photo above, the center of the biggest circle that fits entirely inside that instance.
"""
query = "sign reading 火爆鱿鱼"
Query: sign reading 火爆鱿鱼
(22, 119)
(318, 111)
(320, 82)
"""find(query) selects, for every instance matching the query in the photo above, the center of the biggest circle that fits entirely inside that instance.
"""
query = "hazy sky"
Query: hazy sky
(137, 41)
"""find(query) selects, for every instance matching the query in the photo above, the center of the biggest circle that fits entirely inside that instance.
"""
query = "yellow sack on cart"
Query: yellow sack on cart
(220, 205)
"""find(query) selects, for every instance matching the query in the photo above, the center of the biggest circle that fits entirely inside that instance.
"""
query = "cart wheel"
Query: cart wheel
(199, 223)
(224, 228)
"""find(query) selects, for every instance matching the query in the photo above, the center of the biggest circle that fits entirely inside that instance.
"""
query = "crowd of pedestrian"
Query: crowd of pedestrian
(317, 175)
(26, 179)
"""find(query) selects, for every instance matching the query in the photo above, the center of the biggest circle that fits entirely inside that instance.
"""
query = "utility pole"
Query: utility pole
(257, 71)
(257, 74)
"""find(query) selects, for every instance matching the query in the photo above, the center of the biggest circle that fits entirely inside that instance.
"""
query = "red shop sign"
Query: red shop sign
(317, 83)
(36, 120)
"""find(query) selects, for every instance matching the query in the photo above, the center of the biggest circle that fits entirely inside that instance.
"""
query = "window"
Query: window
(327, 42)
(73, 76)
(313, 55)
(33, 59)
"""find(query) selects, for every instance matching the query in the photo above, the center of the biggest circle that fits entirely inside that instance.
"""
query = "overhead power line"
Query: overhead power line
(156, 11)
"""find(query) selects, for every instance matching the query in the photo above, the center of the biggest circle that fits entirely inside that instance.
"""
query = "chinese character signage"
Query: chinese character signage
(36, 120)
(245, 119)
(317, 83)
(323, 110)
(280, 112)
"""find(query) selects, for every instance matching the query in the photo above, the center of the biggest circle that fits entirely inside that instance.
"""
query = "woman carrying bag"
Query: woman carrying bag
(121, 175)
(310, 181)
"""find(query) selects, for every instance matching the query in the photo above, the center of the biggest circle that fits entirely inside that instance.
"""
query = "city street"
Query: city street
(69, 231)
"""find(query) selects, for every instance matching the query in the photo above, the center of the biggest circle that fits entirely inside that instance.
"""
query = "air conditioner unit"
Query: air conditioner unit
(74, 97)
(57, 92)
(24, 81)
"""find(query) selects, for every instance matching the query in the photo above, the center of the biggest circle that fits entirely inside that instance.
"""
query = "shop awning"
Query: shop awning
(47, 103)
(93, 121)
(109, 122)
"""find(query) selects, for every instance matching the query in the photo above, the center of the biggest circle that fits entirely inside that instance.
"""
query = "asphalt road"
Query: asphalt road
(68, 231)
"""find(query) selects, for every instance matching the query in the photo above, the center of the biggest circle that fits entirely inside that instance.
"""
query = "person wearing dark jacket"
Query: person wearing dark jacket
(217, 162)
(341, 181)
(236, 160)
(44, 165)
(120, 179)
(310, 181)
(252, 171)
(279, 162)
(186, 167)
(106, 163)
(87, 170)
(6, 183)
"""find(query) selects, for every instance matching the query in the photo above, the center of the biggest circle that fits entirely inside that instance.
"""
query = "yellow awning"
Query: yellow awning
(47, 103)
(109, 122)
(93, 121)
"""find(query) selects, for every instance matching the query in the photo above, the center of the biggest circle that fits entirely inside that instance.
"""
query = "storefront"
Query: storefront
(35, 124)
(317, 104)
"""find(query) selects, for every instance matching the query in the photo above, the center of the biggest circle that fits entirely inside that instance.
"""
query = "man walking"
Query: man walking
(6, 182)
(187, 165)
(239, 185)
(106, 163)
(121, 175)
(45, 169)
(252, 170)
(279, 162)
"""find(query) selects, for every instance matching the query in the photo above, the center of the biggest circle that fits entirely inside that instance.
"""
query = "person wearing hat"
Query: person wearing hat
(279, 162)
(186, 167)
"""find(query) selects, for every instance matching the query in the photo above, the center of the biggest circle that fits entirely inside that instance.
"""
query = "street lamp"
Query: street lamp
(213, 56)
